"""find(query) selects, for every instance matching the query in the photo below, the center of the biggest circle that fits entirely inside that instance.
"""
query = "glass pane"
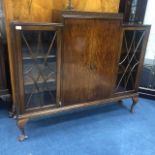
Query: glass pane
(39, 67)
(129, 60)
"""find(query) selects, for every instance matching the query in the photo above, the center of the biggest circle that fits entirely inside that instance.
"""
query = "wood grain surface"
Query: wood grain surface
(90, 59)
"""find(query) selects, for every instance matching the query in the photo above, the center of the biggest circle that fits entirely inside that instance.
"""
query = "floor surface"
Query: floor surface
(103, 130)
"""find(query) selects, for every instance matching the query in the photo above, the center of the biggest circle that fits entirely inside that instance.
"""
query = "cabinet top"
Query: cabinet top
(59, 14)
(81, 14)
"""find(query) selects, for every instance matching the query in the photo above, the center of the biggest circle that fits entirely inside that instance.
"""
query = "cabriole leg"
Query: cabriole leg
(135, 101)
(21, 124)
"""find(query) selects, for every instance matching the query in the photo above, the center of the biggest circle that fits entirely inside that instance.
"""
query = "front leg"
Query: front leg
(21, 124)
(135, 101)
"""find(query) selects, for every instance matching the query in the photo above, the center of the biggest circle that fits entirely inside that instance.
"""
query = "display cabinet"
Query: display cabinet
(87, 59)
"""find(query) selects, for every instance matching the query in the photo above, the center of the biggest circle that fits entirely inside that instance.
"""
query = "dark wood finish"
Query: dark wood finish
(23, 119)
(126, 8)
(87, 73)
(90, 48)
(4, 72)
(4, 69)
(21, 124)
(47, 112)
(141, 9)
(21, 42)
(135, 101)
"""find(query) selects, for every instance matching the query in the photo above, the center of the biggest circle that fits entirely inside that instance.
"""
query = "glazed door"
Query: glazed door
(37, 70)
(132, 58)
(90, 57)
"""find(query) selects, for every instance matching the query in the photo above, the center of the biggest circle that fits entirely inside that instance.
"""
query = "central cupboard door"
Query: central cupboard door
(90, 57)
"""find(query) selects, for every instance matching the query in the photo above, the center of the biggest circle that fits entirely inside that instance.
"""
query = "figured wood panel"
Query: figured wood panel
(89, 5)
(32, 10)
(41, 11)
(90, 59)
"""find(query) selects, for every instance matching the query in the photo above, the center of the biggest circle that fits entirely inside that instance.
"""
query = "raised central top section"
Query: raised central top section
(58, 15)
